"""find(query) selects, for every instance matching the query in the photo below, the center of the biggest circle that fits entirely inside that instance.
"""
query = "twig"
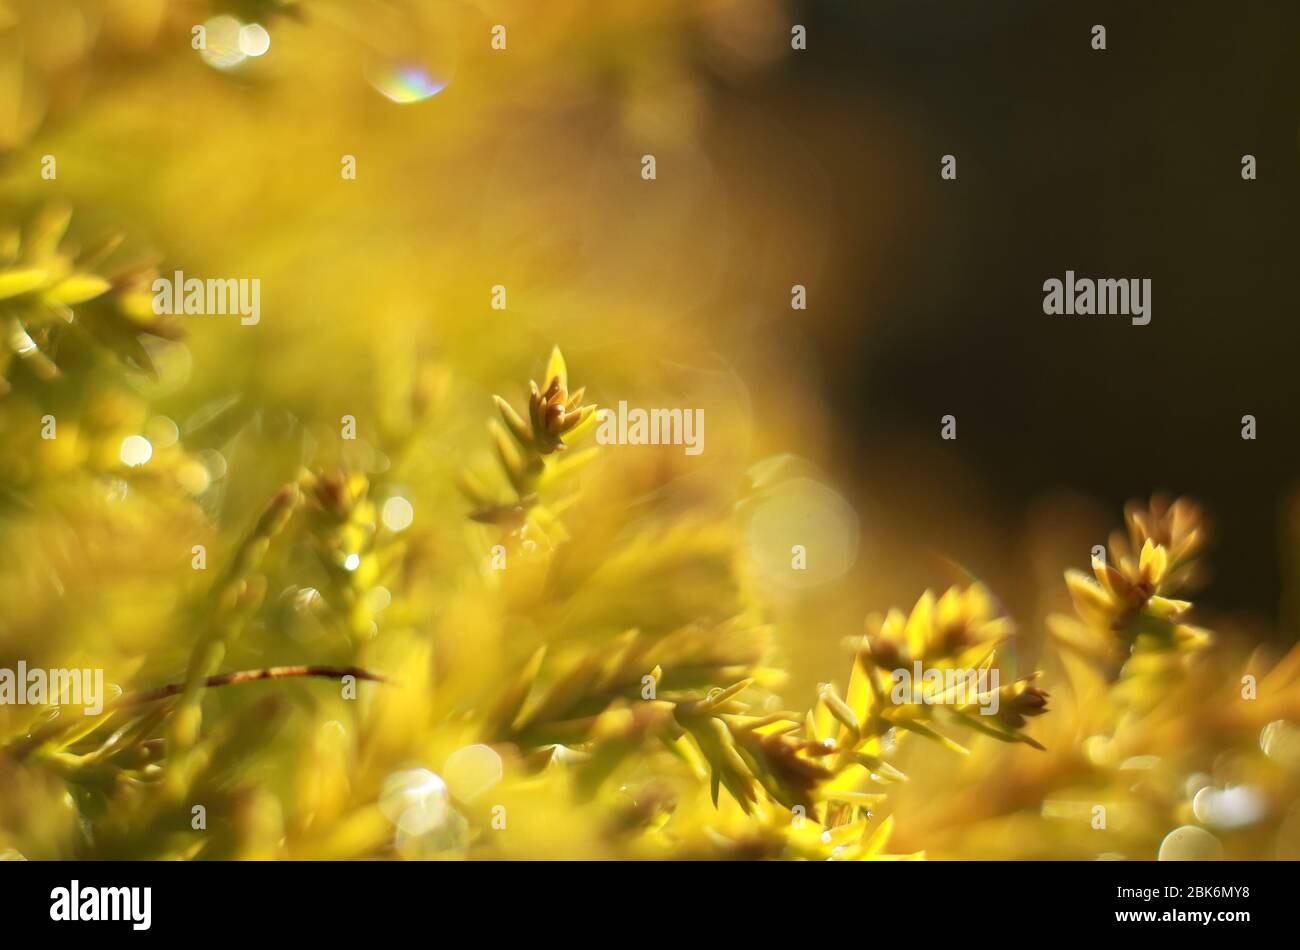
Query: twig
(21, 745)
(248, 676)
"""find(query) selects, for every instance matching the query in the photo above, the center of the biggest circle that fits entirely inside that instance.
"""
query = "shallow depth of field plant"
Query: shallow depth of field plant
(364, 584)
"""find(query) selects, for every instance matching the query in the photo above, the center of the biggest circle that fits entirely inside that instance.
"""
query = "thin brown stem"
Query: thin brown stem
(22, 745)
(248, 676)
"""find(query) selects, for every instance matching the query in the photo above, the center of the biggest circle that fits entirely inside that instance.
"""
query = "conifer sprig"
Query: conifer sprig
(50, 290)
(829, 766)
(557, 418)
(1128, 609)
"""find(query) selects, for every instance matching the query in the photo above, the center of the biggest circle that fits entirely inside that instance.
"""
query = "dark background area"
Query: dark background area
(1117, 163)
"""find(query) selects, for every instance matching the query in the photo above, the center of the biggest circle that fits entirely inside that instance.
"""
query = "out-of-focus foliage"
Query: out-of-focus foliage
(528, 673)
(344, 621)
(1168, 741)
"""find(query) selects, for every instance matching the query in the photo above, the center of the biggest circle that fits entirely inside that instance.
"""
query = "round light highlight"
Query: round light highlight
(398, 513)
(162, 432)
(415, 800)
(254, 40)
(1190, 843)
(221, 43)
(135, 451)
(472, 771)
(803, 533)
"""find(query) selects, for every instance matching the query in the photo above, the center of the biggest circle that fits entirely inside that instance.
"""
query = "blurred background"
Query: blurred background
(1125, 161)
(521, 167)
